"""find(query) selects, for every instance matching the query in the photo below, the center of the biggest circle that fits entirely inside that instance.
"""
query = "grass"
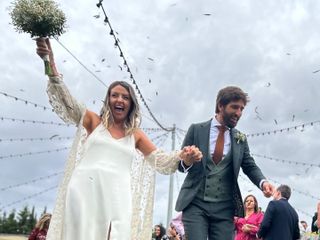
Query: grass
(12, 237)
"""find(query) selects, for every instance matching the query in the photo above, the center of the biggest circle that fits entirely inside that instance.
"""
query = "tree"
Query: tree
(10, 224)
(23, 220)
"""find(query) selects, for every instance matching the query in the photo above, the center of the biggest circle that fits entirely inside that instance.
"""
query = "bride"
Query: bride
(107, 191)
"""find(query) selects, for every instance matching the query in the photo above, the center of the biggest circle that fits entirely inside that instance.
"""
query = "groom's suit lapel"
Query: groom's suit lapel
(204, 135)
(235, 147)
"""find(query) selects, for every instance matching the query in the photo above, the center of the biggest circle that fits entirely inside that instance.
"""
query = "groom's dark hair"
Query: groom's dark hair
(229, 94)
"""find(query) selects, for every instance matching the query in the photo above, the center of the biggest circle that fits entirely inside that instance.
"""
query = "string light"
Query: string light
(160, 137)
(28, 197)
(152, 130)
(34, 121)
(30, 182)
(282, 130)
(286, 161)
(298, 191)
(125, 63)
(33, 153)
(94, 75)
(34, 139)
(26, 101)
(293, 189)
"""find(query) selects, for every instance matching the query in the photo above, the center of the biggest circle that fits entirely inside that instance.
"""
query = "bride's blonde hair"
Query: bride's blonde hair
(133, 119)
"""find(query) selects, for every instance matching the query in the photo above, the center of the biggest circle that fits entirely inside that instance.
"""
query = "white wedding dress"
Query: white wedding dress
(105, 180)
(101, 181)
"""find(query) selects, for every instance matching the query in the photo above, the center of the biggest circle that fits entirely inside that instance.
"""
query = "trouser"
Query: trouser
(208, 220)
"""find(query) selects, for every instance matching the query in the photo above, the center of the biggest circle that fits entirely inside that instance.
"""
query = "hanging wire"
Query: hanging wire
(298, 191)
(52, 138)
(286, 161)
(30, 181)
(152, 130)
(125, 63)
(300, 127)
(158, 139)
(28, 197)
(83, 65)
(182, 131)
(287, 129)
(36, 105)
(34, 121)
(56, 137)
(33, 153)
(163, 140)
(26, 101)
(293, 189)
(180, 137)
(303, 212)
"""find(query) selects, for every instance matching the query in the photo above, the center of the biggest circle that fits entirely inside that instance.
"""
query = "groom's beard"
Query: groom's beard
(229, 119)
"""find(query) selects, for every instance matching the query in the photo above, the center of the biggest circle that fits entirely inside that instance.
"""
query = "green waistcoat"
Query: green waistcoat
(218, 184)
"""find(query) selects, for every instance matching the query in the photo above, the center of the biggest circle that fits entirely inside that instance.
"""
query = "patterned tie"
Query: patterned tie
(218, 151)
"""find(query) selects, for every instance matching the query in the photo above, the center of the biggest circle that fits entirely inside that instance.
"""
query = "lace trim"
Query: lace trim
(66, 106)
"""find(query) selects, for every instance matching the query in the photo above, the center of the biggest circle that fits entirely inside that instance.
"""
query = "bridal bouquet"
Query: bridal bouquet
(40, 18)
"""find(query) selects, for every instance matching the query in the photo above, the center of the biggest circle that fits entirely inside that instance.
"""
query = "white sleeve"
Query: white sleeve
(66, 106)
(164, 163)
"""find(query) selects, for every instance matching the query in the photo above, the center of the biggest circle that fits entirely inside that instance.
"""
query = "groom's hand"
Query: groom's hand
(267, 189)
(190, 155)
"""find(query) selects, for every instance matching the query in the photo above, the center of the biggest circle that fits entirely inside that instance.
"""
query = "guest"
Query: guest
(247, 227)
(159, 233)
(176, 229)
(318, 217)
(41, 228)
(281, 221)
(314, 227)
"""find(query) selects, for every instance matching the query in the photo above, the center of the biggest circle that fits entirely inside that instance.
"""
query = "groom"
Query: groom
(210, 196)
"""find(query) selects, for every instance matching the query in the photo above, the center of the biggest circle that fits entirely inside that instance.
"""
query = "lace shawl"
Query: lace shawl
(143, 168)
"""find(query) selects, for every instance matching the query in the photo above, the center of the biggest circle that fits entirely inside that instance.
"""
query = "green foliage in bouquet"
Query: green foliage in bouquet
(40, 18)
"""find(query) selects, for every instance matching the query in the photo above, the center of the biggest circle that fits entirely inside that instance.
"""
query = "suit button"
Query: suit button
(216, 197)
(206, 194)
(207, 186)
(219, 179)
(218, 188)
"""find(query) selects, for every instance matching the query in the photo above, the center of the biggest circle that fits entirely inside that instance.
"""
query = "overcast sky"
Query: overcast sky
(181, 53)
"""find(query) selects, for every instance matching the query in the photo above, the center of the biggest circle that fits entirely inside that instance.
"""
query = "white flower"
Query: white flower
(40, 18)
(240, 137)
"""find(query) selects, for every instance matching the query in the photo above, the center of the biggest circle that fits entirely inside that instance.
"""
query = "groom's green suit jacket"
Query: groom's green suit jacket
(198, 135)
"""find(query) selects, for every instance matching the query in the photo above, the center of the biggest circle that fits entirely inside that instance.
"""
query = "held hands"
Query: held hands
(267, 189)
(190, 155)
